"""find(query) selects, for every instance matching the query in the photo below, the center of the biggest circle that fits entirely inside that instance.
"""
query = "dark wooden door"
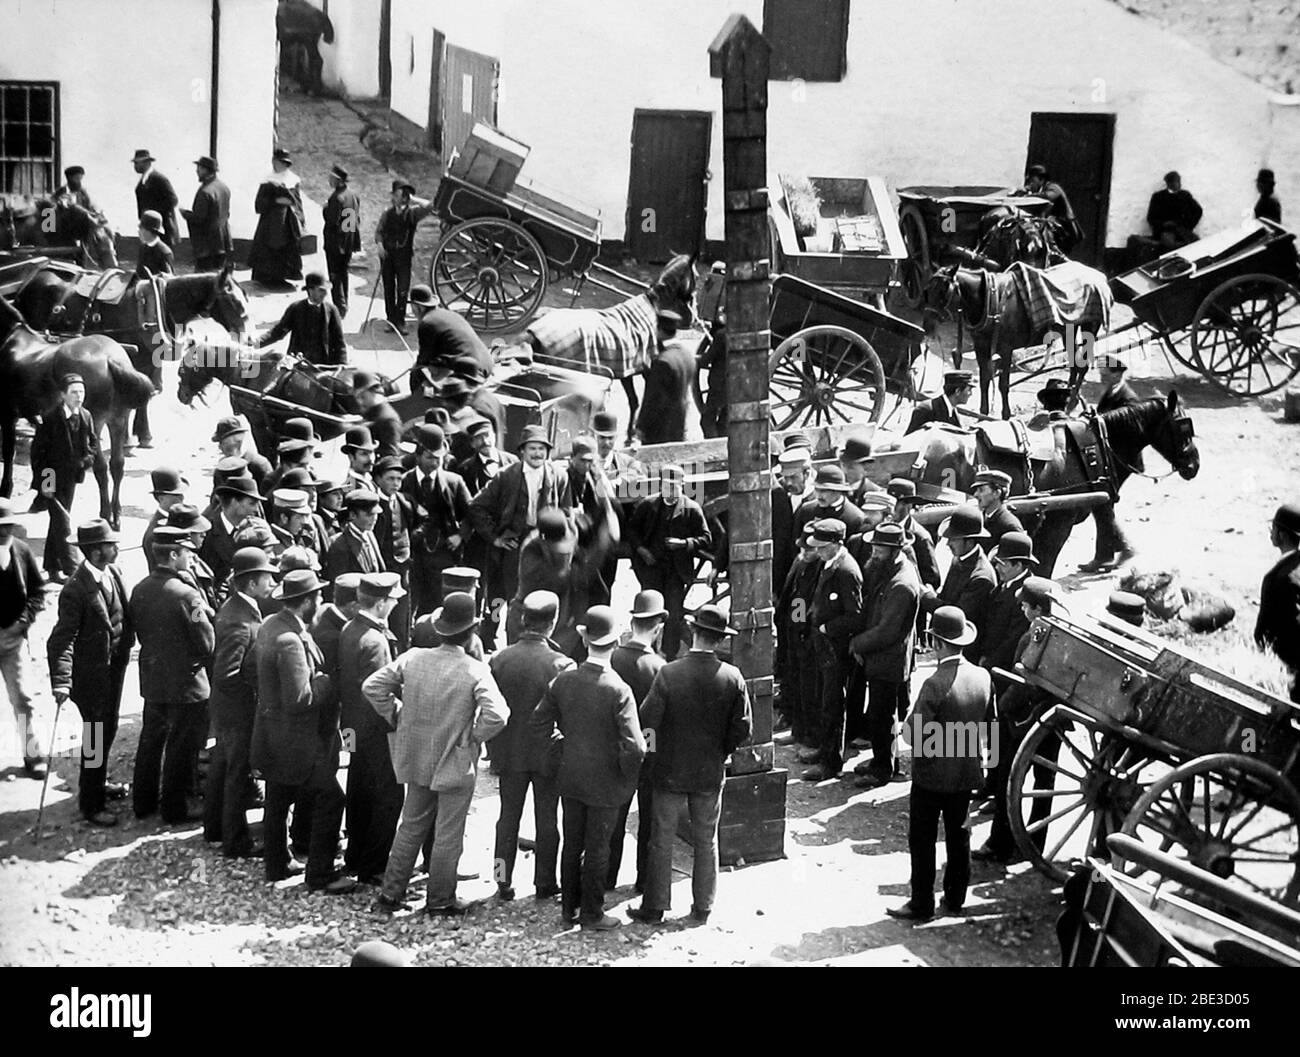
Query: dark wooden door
(1076, 149)
(470, 94)
(668, 189)
(385, 48)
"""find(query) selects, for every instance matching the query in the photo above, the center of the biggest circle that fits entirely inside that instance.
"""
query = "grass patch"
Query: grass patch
(804, 202)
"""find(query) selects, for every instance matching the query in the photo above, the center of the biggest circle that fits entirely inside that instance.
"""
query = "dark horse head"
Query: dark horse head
(1008, 235)
(939, 298)
(214, 294)
(675, 287)
(203, 363)
(1160, 422)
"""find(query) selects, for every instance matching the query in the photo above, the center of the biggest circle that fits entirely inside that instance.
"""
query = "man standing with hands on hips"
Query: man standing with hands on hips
(395, 235)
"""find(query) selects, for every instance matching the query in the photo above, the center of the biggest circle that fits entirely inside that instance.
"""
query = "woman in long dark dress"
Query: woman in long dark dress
(275, 256)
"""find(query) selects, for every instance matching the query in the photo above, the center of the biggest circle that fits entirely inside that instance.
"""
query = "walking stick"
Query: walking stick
(374, 289)
(54, 734)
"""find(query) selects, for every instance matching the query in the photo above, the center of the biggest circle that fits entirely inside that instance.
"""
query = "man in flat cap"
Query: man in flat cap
(957, 389)
(88, 652)
(395, 237)
(313, 325)
(523, 671)
(794, 487)
(990, 490)
(440, 500)
(1278, 625)
(342, 239)
(64, 447)
(209, 219)
(153, 191)
(669, 384)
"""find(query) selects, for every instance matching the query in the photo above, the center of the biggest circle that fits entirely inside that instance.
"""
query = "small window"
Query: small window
(29, 137)
(808, 37)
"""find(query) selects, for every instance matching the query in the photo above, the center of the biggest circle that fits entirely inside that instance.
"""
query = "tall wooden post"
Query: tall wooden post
(753, 805)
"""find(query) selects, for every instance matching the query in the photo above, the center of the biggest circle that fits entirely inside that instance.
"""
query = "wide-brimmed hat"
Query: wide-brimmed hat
(604, 424)
(534, 435)
(170, 536)
(856, 448)
(458, 612)
(1055, 392)
(248, 560)
(241, 485)
(949, 623)
(187, 517)
(965, 523)
(422, 295)
(291, 500)
(95, 531)
(1015, 547)
(228, 427)
(151, 220)
(296, 584)
(599, 627)
(358, 438)
(831, 478)
(541, 605)
(208, 163)
(143, 155)
(710, 618)
(829, 530)
(648, 604)
(888, 534)
(166, 480)
(381, 585)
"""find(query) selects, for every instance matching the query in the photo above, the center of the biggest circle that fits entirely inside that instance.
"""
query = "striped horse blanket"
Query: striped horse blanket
(620, 339)
(1063, 294)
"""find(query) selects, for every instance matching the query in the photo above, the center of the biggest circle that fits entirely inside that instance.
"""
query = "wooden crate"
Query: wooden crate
(489, 159)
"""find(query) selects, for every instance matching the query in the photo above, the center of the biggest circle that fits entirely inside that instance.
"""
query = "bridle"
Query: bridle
(1184, 430)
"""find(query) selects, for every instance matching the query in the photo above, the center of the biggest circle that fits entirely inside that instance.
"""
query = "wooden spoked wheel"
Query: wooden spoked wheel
(825, 376)
(1233, 816)
(491, 271)
(1246, 336)
(1072, 783)
(918, 268)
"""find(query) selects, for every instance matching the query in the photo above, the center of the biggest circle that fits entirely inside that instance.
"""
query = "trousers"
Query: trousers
(513, 786)
(885, 700)
(832, 675)
(99, 730)
(58, 555)
(703, 810)
(1001, 840)
(925, 808)
(166, 747)
(645, 798)
(1110, 534)
(322, 800)
(584, 863)
(395, 270)
(226, 802)
(668, 582)
(336, 263)
(15, 667)
(374, 806)
(423, 812)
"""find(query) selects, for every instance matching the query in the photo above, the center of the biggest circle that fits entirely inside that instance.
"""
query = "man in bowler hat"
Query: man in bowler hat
(153, 191)
(342, 215)
(209, 219)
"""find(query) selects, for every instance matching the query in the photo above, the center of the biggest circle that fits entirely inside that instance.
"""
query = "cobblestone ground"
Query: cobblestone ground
(144, 894)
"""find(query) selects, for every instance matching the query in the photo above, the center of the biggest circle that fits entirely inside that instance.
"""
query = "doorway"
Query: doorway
(668, 189)
(1077, 151)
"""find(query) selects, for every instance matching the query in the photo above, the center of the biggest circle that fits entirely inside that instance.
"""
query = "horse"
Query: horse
(1008, 235)
(58, 226)
(278, 374)
(29, 372)
(951, 458)
(623, 338)
(993, 306)
(299, 25)
(49, 301)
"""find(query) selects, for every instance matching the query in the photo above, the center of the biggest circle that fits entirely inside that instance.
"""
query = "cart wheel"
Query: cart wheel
(1067, 772)
(823, 376)
(1233, 816)
(1246, 337)
(917, 269)
(492, 271)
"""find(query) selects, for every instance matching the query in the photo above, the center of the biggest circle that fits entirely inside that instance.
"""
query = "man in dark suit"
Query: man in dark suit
(1112, 548)
(891, 594)
(957, 389)
(447, 344)
(384, 423)
(168, 491)
(920, 544)
(637, 663)
(394, 532)
(970, 581)
(835, 616)
(1004, 620)
(153, 191)
(88, 651)
(298, 759)
(945, 732)
(854, 455)
(696, 714)
(64, 447)
(174, 626)
(229, 438)
(356, 549)
(342, 214)
(374, 797)
(313, 325)
(830, 500)
(485, 463)
(523, 671)
(155, 256)
(593, 711)
(395, 236)
(22, 597)
(440, 500)
(1278, 625)
(795, 488)
(669, 381)
(1267, 207)
(1173, 214)
(209, 219)
(238, 500)
(234, 703)
(798, 701)
(990, 490)
(666, 533)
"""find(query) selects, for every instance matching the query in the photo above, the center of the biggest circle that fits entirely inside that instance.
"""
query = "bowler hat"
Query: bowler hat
(208, 163)
(242, 485)
(470, 367)
(95, 531)
(829, 530)
(648, 604)
(402, 185)
(296, 584)
(994, 478)
(1015, 547)
(151, 220)
(965, 523)
(831, 478)
(1038, 591)
(430, 437)
(901, 488)
(856, 448)
(7, 512)
(142, 155)
(314, 281)
(949, 623)
(534, 435)
(381, 585)
(598, 627)
(170, 536)
(386, 465)
(248, 560)
(299, 477)
(358, 439)
(363, 380)
(187, 517)
(362, 497)
(1127, 606)
(710, 618)
(554, 528)
(227, 427)
(888, 534)
(1287, 518)
(291, 500)
(421, 295)
(344, 588)
(167, 481)
(541, 605)
(458, 612)
(604, 424)
(300, 429)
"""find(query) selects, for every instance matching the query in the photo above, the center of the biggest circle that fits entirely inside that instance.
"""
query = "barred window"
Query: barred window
(29, 137)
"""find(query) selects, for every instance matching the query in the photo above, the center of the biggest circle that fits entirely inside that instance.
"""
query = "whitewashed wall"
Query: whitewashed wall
(937, 91)
(351, 63)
